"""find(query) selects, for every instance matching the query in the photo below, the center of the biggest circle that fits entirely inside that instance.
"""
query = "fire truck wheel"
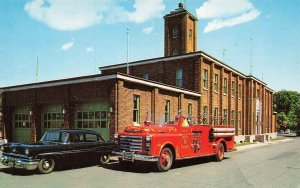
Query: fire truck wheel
(165, 160)
(220, 152)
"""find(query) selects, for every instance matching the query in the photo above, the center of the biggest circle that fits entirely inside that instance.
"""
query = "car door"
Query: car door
(77, 147)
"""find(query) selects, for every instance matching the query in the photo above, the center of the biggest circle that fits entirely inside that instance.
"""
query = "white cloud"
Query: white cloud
(220, 8)
(219, 23)
(226, 13)
(148, 30)
(89, 49)
(146, 9)
(67, 46)
(68, 15)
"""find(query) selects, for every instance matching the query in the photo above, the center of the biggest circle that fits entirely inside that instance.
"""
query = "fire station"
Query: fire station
(185, 80)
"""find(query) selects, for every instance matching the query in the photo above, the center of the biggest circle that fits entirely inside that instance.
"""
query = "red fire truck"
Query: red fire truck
(177, 140)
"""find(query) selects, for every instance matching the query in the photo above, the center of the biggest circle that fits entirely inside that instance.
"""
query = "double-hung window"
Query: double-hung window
(136, 109)
(240, 91)
(225, 86)
(205, 79)
(216, 83)
(205, 114)
(167, 111)
(216, 114)
(179, 78)
(175, 32)
(232, 88)
(232, 118)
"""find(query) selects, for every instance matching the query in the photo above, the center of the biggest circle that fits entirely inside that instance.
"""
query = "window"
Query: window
(179, 78)
(225, 86)
(232, 89)
(240, 120)
(92, 119)
(232, 118)
(205, 79)
(190, 109)
(225, 115)
(146, 76)
(53, 120)
(136, 109)
(22, 120)
(205, 114)
(240, 91)
(167, 111)
(175, 52)
(175, 32)
(91, 138)
(216, 80)
(216, 114)
(190, 33)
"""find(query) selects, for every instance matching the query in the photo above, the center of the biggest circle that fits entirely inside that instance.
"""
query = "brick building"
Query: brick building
(102, 103)
(185, 79)
(233, 97)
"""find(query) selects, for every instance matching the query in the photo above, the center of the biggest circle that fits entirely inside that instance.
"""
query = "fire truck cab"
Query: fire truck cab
(173, 141)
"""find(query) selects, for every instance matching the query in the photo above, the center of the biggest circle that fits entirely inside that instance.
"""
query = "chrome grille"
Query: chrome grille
(131, 143)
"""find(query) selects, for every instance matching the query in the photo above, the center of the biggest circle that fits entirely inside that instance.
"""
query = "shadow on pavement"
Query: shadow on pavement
(16, 172)
(22, 172)
(150, 167)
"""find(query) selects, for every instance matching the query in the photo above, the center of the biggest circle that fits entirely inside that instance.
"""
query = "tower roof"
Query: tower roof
(180, 10)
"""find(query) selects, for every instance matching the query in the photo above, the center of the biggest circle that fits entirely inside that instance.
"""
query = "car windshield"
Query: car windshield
(55, 136)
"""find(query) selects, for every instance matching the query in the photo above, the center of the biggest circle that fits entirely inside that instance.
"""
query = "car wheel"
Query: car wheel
(220, 152)
(165, 160)
(46, 165)
(104, 159)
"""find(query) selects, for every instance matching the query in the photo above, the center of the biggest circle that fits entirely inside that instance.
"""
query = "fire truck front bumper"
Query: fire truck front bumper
(130, 156)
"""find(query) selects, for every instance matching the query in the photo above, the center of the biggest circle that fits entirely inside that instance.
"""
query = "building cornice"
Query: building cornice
(99, 77)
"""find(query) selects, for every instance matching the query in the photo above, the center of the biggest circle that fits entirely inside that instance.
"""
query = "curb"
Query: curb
(260, 144)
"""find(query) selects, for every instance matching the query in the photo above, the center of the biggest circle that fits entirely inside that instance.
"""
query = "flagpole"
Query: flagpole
(37, 69)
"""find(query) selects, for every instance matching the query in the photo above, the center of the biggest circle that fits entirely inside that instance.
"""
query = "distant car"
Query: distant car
(57, 147)
(288, 131)
(281, 132)
(2, 141)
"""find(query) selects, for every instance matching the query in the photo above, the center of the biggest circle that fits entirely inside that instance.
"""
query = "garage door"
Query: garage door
(52, 118)
(93, 116)
(21, 125)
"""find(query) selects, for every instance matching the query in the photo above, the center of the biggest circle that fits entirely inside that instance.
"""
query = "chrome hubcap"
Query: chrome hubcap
(46, 165)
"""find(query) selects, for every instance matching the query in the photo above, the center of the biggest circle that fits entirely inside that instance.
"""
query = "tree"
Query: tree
(287, 104)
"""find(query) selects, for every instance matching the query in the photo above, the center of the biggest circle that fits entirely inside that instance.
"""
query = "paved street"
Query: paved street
(272, 165)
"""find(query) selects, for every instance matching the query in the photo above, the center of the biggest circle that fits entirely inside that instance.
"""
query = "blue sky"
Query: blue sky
(74, 37)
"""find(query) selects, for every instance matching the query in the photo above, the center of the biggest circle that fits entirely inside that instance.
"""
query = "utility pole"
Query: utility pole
(224, 53)
(127, 31)
(251, 65)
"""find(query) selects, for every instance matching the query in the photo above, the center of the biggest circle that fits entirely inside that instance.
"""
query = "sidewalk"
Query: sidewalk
(260, 144)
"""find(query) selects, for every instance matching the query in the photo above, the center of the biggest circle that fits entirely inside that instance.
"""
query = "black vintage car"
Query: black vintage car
(57, 147)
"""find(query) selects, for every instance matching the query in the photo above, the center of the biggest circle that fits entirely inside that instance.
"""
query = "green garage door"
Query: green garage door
(21, 125)
(52, 118)
(93, 116)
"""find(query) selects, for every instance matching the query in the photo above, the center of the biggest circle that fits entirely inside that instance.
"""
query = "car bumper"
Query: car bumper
(129, 156)
(23, 163)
